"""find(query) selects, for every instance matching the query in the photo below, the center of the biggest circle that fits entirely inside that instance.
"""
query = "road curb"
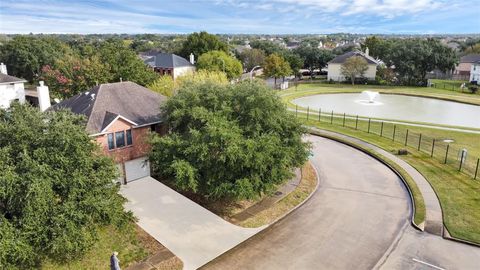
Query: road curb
(421, 226)
(269, 226)
(446, 235)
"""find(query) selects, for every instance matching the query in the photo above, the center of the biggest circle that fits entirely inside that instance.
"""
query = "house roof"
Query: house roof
(107, 102)
(167, 60)
(342, 58)
(4, 78)
(470, 58)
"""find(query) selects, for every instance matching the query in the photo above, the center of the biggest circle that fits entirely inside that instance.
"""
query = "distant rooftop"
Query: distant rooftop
(342, 58)
(166, 60)
(470, 58)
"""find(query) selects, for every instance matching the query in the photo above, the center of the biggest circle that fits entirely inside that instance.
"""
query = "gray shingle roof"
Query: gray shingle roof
(9, 79)
(342, 58)
(103, 103)
(167, 60)
(470, 58)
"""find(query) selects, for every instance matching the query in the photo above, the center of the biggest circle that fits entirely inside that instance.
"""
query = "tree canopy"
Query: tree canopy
(220, 61)
(56, 188)
(26, 55)
(276, 66)
(228, 141)
(252, 58)
(314, 58)
(166, 86)
(200, 43)
(353, 67)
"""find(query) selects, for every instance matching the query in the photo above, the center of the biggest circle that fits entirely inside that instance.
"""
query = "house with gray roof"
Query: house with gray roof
(463, 69)
(11, 88)
(119, 117)
(334, 66)
(169, 63)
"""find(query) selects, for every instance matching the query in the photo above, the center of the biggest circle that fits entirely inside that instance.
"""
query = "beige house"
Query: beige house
(462, 70)
(169, 64)
(334, 66)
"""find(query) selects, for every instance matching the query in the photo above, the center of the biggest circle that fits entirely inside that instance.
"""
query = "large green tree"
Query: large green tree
(200, 43)
(228, 141)
(220, 61)
(276, 66)
(56, 188)
(314, 58)
(26, 55)
(414, 58)
(354, 67)
(124, 64)
(252, 58)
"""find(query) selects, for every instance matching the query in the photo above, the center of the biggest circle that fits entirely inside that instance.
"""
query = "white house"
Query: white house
(170, 64)
(334, 66)
(11, 88)
(475, 72)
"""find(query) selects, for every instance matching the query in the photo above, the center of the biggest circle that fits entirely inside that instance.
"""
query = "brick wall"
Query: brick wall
(139, 146)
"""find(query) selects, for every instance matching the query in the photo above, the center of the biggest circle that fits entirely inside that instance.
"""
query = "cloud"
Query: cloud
(237, 16)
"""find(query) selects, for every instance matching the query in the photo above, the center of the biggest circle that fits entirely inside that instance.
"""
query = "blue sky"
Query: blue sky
(240, 16)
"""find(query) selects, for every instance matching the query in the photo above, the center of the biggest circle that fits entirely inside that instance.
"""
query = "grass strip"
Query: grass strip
(304, 189)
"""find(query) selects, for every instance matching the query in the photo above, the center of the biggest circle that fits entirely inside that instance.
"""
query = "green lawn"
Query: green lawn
(131, 242)
(453, 85)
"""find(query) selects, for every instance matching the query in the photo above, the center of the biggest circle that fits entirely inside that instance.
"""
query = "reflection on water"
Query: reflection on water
(397, 107)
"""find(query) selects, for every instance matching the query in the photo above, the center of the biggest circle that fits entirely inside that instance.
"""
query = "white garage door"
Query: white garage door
(137, 168)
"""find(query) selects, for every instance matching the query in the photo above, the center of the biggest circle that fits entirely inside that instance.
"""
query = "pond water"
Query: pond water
(396, 107)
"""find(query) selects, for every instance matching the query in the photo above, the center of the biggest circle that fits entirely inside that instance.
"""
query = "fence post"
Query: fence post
(320, 115)
(308, 112)
(331, 118)
(369, 120)
(343, 119)
(476, 169)
(356, 123)
(394, 130)
(406, 138)
(296, 110)
(433, 147)
(381, 130)
(461, 161)
(446, 153)
(419, 141)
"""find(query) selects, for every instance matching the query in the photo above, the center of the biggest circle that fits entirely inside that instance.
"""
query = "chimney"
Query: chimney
(192, 59)
(3, 69)
(43, 96)
(367, 51)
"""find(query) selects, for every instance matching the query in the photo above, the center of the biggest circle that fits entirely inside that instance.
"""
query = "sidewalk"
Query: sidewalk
(434, 218)
(190, 231)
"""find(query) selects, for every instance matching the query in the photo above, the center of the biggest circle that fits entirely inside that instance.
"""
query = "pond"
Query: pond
(396, 107)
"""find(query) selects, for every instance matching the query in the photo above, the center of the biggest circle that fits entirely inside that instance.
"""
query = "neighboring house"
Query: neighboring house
(334, 66)
(475, 72)
(120, 117)
(11, 88)
(169, 63)
(462, 70)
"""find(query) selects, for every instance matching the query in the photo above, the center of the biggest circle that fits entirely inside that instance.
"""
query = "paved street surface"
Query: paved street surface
(191, 232)
(358, 219)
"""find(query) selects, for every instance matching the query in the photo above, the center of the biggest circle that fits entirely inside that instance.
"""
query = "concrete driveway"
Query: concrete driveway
(358, 219)
(190, 231)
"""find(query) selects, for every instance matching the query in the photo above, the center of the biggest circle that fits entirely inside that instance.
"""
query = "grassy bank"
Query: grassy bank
(304, 189)
(457, 191)
(131, 242)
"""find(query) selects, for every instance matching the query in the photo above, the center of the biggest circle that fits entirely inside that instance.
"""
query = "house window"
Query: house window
(111, 143)
(120, 139)
(129, 137)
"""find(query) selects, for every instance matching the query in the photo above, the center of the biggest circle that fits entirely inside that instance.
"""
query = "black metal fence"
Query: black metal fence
(440, 149)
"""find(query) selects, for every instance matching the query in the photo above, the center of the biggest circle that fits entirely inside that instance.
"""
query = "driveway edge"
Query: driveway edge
(420, 226)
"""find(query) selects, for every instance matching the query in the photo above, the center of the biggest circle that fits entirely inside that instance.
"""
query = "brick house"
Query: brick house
(120, 117)
(462, 70)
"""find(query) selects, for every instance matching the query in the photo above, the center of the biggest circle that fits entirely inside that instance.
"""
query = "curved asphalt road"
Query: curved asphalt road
(357, 219)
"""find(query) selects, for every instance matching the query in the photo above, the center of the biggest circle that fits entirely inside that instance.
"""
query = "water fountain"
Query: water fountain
(371, 96)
